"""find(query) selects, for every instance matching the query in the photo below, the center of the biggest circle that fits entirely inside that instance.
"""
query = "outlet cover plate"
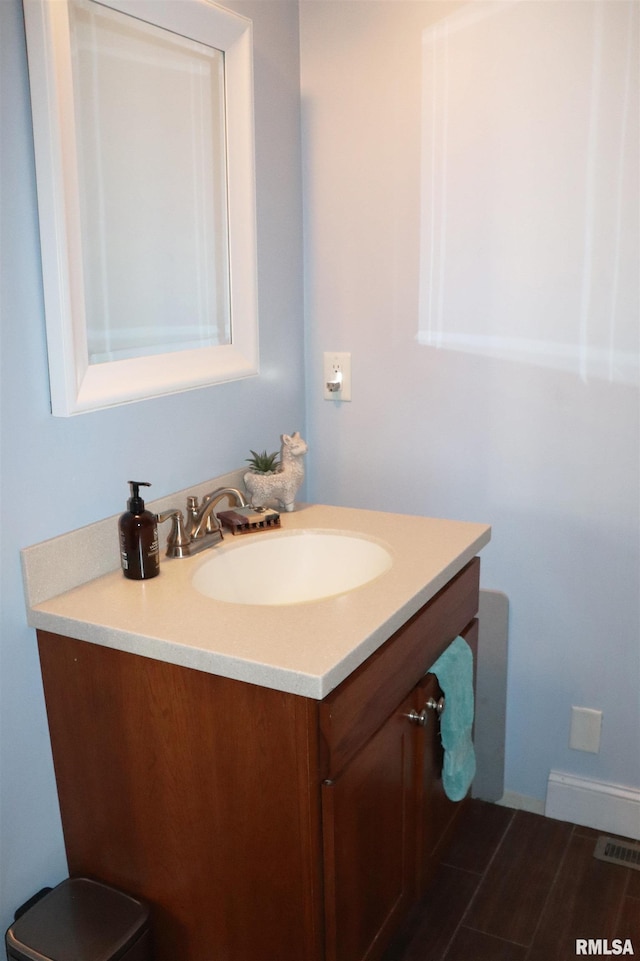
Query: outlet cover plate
(586, 725)
(334, 364)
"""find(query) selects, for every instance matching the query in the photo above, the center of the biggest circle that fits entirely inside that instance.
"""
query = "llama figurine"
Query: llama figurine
(281, 485)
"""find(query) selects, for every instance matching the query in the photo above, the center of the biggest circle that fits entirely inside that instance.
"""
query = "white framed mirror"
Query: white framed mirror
(143, 132)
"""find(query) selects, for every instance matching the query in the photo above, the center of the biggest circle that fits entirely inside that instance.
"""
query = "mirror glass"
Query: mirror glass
(151, 146)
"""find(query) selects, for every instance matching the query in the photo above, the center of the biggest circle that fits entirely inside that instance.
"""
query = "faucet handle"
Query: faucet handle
(178, 540)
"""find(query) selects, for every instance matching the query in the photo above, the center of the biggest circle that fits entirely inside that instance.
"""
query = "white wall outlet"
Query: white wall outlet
(586, 725)
(337, 376)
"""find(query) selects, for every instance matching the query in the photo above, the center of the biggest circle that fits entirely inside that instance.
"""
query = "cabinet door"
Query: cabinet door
(369, 842)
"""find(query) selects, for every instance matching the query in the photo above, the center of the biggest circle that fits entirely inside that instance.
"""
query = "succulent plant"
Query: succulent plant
(264, 463)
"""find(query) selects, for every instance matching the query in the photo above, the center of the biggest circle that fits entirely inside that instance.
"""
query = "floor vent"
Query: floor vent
(616, 851)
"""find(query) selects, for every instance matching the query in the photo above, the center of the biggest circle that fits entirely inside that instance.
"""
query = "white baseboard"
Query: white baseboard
(612, 808)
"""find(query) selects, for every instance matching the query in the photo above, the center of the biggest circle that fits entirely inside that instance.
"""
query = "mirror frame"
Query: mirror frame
(77, 386)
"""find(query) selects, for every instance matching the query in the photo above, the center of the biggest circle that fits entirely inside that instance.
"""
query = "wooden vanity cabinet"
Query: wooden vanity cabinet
(258, 824)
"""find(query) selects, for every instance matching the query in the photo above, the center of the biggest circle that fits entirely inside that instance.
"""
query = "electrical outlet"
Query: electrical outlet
(586, 725)
(337, 376)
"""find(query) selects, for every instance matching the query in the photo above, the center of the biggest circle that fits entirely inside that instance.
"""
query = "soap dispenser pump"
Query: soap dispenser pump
(139, 549)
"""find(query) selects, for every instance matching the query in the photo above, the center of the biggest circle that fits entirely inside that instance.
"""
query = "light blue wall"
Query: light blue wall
(471, 231)
(59, 474)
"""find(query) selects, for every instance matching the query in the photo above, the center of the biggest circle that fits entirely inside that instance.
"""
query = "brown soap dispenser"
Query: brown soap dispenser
(139, 550)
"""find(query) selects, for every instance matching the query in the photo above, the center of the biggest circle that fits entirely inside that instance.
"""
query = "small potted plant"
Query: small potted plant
(264, 463)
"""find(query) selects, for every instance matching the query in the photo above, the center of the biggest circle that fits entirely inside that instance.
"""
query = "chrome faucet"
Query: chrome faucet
(201, 528)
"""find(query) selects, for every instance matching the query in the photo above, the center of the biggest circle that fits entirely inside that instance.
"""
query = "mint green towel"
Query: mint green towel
(454, 670)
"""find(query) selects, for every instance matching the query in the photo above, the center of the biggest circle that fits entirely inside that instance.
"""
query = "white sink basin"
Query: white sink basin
(290, 567)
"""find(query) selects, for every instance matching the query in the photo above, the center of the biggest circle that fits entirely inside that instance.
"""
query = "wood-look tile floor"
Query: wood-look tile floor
(515, 886)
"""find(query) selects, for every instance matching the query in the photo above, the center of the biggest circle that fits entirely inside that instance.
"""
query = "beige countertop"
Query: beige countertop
(306, 648)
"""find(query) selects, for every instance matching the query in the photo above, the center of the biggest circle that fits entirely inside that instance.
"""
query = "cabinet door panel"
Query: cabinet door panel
(369, 843)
